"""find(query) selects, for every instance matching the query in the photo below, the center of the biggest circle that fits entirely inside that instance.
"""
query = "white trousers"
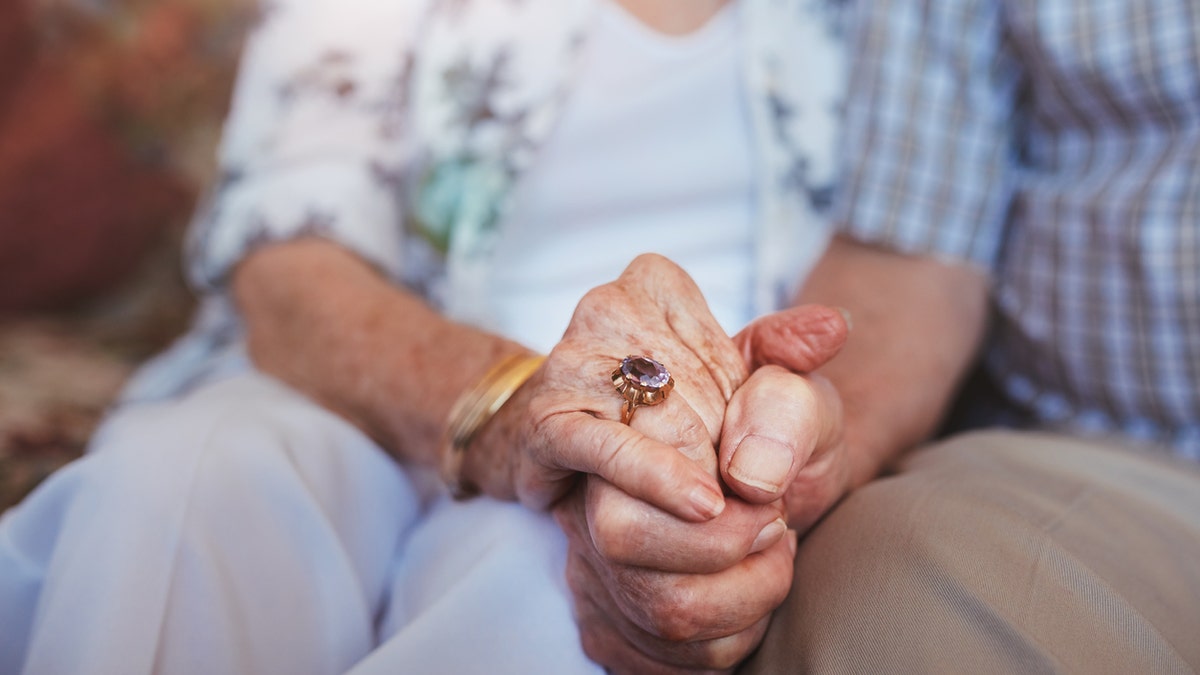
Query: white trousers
(244, 529)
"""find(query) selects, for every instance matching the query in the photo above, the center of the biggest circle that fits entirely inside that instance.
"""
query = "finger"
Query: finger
(600, 639)
(689, 417)
(800, 339)
(645, 468)
(676, 422)
(605, 635)
(720, 633)
(627, 531)
(725, 626)
(773, 426)
(690, 607)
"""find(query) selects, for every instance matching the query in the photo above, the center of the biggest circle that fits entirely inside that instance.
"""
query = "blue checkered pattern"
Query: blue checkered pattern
(1055, 144)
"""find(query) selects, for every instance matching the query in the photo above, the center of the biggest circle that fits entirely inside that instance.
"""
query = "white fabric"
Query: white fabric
(240, 528)
(652, 153)
(243, 529)
(421, 117)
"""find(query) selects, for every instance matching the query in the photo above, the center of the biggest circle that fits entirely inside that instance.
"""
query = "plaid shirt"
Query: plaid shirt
(1057, 145)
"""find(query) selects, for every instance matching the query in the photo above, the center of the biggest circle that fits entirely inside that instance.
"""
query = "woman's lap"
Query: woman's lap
(480, 588)
(241, 529)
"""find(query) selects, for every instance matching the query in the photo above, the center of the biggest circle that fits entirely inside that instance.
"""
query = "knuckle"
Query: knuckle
(671, 615)
(649, 260)
(615, 454)
(674, 628)
(692, 430)
(598, 299)
(725, 551)
(675, 473)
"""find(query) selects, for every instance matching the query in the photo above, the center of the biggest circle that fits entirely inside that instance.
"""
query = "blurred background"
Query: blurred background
(109, 118)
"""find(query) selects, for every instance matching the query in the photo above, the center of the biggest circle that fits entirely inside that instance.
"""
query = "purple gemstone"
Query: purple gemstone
(648, 373)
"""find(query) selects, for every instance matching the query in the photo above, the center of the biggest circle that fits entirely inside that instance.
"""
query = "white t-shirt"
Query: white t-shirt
(652, 153)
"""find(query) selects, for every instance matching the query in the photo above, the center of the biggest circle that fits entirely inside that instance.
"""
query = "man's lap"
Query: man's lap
(1001, 552)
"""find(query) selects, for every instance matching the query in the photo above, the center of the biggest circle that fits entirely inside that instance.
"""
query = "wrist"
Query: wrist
(480, 437)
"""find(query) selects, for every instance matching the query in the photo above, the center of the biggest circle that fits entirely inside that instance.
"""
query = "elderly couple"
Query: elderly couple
(599, 259)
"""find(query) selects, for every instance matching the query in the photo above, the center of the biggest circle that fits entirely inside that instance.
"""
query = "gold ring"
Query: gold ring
(641, 380)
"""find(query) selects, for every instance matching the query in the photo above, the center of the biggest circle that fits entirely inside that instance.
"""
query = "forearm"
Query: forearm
(918, 324)
(323, 321)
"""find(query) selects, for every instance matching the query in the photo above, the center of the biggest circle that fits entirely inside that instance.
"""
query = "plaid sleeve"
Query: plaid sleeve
(929, 129)
(311, 146)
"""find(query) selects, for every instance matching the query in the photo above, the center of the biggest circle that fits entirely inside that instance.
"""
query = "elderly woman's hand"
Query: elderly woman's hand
(654, 593)
(566, 419)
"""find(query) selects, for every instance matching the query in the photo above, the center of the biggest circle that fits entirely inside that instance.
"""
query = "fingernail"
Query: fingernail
(768, 535)
(846, 315)
(709, 503)
(762, 463)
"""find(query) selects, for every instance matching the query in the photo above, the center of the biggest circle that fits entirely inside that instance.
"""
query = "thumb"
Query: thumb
(773, 425)
(800, 339)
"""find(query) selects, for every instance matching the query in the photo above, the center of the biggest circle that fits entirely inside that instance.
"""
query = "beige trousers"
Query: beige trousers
(1001, 552)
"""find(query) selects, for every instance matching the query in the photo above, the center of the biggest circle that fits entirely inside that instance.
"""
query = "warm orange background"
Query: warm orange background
(109, 114)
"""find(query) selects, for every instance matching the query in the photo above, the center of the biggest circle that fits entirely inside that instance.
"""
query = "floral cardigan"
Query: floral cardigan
(399, 128)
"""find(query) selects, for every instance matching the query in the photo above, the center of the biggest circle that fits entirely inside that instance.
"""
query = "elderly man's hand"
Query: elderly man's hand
(787, 422)
(654, 593)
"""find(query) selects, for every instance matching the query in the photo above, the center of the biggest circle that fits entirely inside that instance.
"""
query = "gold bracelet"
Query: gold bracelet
(473, 409)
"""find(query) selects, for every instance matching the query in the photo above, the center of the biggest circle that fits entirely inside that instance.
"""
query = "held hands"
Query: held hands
(660, 582)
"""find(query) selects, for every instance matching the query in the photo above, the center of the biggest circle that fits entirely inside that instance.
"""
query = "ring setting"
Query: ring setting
(641, 380)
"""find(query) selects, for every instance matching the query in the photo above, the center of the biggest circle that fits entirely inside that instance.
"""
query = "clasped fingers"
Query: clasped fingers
(638, 618)
(627, 531)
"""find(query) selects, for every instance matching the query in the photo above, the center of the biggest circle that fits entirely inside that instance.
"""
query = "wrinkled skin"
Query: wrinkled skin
(570, 419)
(665, 569)
(655, 589)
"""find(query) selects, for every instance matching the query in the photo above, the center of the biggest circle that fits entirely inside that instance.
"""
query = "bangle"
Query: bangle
(473, 409)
